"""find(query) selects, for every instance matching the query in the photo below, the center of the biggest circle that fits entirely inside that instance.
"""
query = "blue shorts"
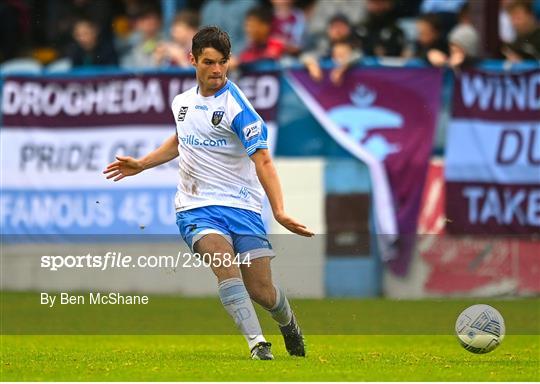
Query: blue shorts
(242, 228)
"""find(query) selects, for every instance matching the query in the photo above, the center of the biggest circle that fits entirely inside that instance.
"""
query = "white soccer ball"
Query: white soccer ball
(480, 328)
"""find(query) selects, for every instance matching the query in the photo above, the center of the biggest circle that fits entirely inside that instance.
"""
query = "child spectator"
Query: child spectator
(338, 29)
(339, 45)
(260, 44)
(463, 48)
(463, 44)
(88, 48)
(344, 54)
(379, 34)
(526, 46)
(288, 25)
(176, 52)
(429, 36)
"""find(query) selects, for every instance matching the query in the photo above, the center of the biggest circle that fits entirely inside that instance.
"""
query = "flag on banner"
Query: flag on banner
(493, 154)
(387, 119)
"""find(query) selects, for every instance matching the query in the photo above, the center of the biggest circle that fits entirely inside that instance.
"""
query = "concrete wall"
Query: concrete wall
(298, 267)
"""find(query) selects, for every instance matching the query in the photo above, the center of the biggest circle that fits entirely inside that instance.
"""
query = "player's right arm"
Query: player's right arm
(129, 166)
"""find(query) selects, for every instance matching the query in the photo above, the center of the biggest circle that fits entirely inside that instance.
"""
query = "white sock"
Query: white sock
(281, 311)
(235, 298)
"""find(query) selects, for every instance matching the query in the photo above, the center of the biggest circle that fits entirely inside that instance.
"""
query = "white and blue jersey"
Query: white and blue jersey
(216, 136)
(219, 191)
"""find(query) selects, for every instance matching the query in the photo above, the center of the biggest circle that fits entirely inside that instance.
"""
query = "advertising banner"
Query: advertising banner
(493, 154)
(58, 134)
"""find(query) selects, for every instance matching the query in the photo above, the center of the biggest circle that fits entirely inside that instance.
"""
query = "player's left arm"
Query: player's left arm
(253, 133)
(267, 174)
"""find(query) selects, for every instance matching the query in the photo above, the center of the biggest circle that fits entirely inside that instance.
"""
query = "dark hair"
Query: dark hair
(433, 20)
(190, 18)
(211, 37)
(262, 13)
(339, 18)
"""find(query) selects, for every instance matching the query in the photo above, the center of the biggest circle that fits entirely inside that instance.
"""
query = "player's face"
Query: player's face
(211, 68)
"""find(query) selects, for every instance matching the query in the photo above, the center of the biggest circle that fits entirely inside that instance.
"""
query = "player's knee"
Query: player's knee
(263, 294)
(226, 272)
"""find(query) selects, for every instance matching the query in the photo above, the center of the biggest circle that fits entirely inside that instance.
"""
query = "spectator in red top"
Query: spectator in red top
(288, 25)
(260, 45)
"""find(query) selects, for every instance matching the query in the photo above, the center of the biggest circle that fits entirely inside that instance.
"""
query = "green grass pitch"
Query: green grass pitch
(365, 340)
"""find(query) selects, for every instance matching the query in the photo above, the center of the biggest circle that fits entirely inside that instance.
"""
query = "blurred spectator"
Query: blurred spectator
(261, 45)
(322, 11)
(288, 25)
(176, 52)
(61, 16)
(526, 46)
(338, 28)
(89, 48)
(344, 53)
(464, 43)
(340, 45)
(147, 36)
(228, 15)
(429, 36)
(380, 35)
(463, 47)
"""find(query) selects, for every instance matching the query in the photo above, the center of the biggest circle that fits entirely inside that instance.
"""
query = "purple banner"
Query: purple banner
(493, 154)
(387, 118)
(114, 100)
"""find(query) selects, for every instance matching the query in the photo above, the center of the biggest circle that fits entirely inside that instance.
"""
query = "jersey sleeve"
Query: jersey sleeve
(174, 107)
(251, 130)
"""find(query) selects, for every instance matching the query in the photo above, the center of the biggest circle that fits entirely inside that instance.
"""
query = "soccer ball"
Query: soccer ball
(480, 328)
